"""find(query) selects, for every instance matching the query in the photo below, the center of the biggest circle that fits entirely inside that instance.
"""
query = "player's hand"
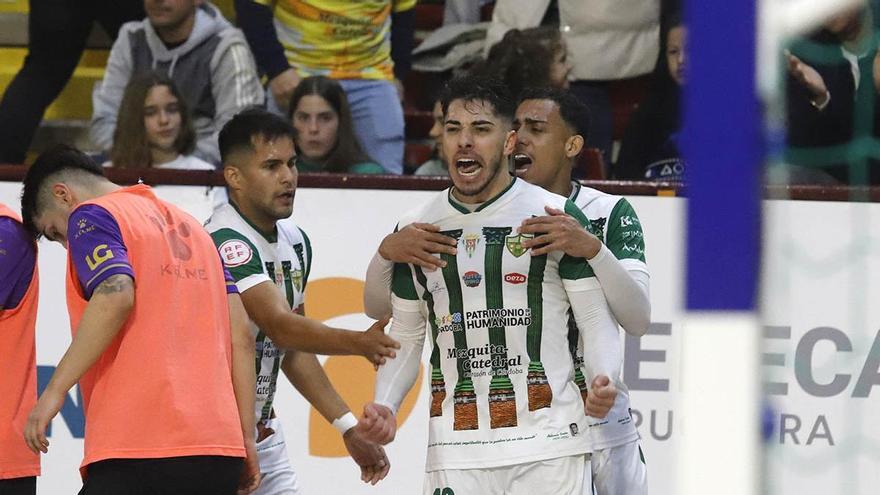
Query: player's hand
(417, 243)
(41, 415)
(375, 345)
(369, 456)
(559, 232)
(809, 77)
(377, 424)
(601, 397)
(282, 87)
(249, 480)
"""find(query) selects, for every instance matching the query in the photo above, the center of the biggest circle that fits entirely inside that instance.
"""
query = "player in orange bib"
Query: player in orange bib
(160, 343)
(19, 289)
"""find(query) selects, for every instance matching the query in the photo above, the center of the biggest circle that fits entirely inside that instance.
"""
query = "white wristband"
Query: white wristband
(344, 423)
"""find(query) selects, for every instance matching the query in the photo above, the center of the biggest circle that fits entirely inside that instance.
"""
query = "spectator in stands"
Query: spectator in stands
(57, 34)
(649, 149)
(832, 100)
(436, 165)
(207, 58)
(366, 46)
(154, 127)
(325, 136)
(534, 57)
(609, 41)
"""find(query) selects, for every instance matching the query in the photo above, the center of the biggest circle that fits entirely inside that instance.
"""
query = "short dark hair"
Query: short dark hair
(480, 87)
(59, 158)
(238, 133)
(573, 111)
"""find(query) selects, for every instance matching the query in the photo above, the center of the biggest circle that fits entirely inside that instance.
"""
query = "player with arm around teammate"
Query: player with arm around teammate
(506, 414)
(270, 258)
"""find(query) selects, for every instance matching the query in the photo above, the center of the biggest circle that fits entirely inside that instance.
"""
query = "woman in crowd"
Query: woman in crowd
(649, 149)
(154, 128)
(326, 141)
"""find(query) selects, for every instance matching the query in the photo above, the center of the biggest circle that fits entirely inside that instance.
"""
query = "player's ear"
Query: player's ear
(509, 142)
(62, 195)
(574, 145)
(232, 175)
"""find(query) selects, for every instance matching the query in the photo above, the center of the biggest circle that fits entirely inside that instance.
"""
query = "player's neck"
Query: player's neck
(561, 185)
(499, 183)
(96, 189)
(264, 224)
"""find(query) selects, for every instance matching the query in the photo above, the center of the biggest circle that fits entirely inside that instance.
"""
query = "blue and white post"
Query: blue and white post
(719, 403)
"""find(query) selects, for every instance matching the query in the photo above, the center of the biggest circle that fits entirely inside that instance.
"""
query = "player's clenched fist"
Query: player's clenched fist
(601, 397)
(378, 424)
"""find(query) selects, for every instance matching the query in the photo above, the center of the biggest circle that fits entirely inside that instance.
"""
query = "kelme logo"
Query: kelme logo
(472, 279)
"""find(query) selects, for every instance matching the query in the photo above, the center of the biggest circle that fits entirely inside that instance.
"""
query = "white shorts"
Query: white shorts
(279, 477)
(620, 471)
(561, 476)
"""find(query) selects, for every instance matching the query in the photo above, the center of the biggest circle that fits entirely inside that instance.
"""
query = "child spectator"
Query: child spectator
(207, 58)
(436, 165)
(325, 137)
(649, 149)
(534, 57)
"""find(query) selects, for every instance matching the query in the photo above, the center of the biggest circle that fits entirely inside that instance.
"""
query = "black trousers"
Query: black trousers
(19, 486)
(58, 30)
(193, 475)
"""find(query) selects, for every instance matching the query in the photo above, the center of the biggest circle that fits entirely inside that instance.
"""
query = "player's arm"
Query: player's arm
(619, 266)
(106, 280)
(267, 308)
(397, 376)
(106, 312)
(18, 258)
(415, 244)
(244, 384)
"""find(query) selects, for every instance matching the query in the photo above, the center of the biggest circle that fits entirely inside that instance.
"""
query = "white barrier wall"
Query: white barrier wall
(819, 359)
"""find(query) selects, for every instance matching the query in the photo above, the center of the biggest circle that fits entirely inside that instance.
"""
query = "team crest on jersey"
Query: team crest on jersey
(597, 226)
(472, 279)
(470, 243)
(296, 277)
(514, 244)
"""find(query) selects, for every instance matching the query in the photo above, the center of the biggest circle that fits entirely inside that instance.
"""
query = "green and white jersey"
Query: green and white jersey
(615, 222)
(252, 258)
(502, 378)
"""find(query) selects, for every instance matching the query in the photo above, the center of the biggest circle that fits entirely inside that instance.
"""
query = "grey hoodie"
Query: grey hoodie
(213, 70)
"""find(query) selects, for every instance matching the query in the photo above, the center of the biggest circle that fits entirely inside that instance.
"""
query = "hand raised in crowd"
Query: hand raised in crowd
(808, 76)
(282, 87)
(369, 456)
(249, 479)
(601, 397)
(378, 424)
(417, 244)
(375, 345)
(559, 232)
(41, 415)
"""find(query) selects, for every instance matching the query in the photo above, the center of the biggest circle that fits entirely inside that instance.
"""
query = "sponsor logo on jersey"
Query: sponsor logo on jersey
(574, 429)
(629, 221)
(472, 279)
(235, 252)
(83, 227)
(498, 317)
(633, 249)
(99, 255)
(449, 323)
(470, 243)
(436, 287)
(489, 359)
(597, 227)
(514, 244)
(514, 278)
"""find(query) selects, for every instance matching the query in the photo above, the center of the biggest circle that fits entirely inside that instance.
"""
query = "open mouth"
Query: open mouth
(467, 167)
(521, 163)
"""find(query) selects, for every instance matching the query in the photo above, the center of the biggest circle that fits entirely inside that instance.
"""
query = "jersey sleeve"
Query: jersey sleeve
(571, 268)
(231, 288)
(17, 260)
(96, 247)
(241, 258)
(624, 236)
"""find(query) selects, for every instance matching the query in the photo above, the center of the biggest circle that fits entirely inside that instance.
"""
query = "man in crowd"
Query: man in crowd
(19, 292)
(160, 344)
(506, 414)
(270, 258)
(206, 57)
(366, 46)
